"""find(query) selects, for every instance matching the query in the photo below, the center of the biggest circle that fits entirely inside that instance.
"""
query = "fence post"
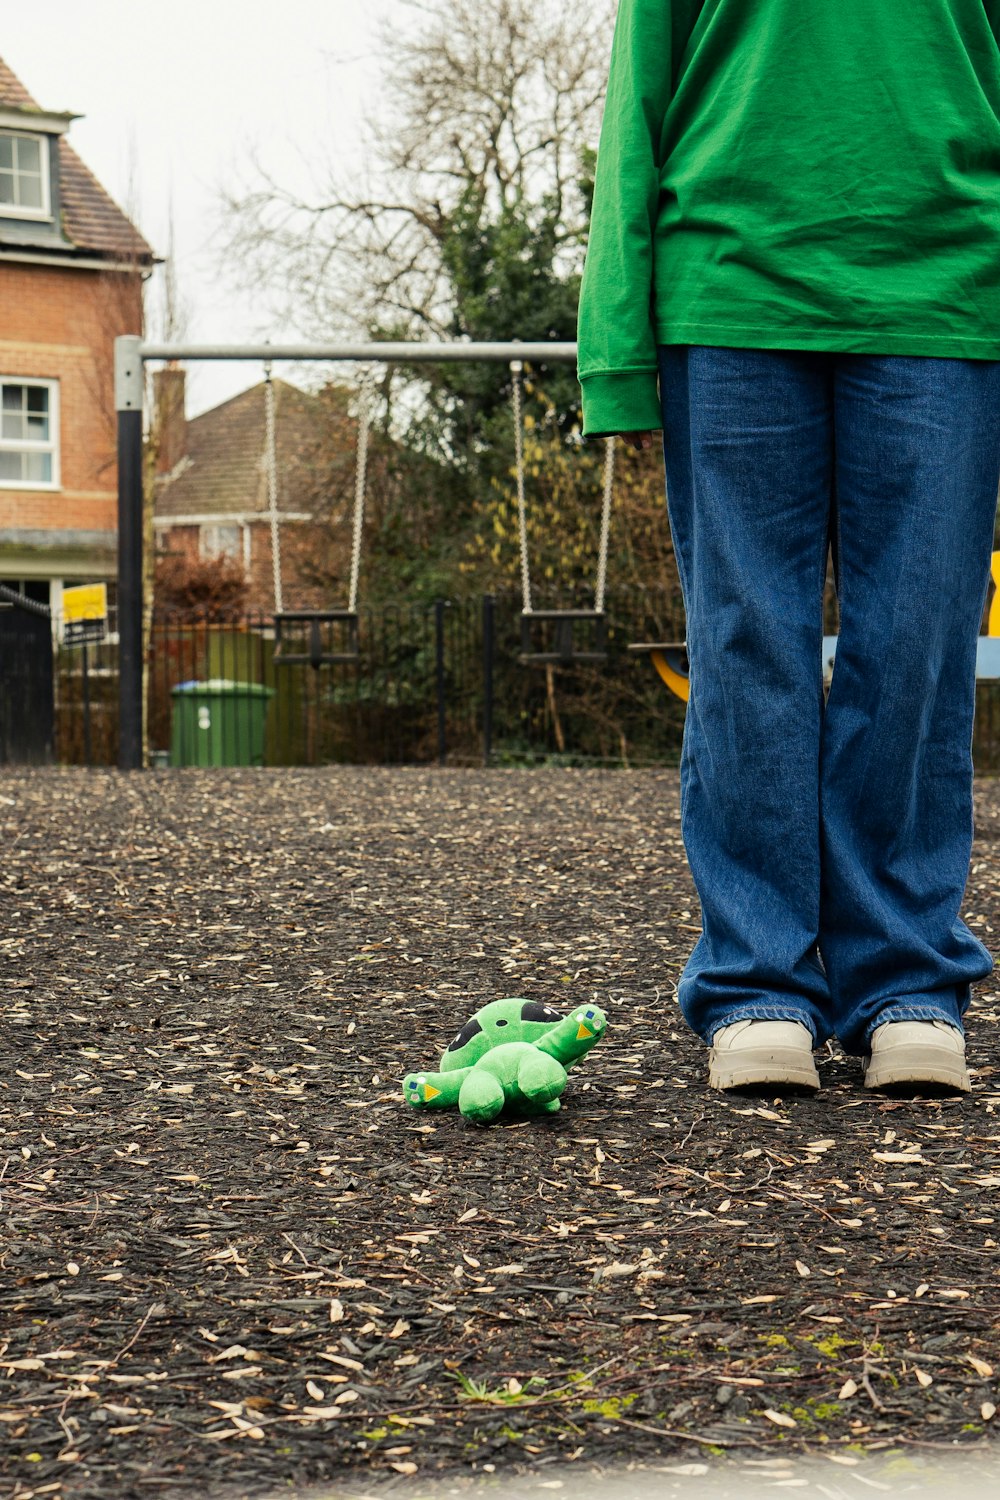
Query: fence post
(439, 609)
(488, 623)
(87, 747)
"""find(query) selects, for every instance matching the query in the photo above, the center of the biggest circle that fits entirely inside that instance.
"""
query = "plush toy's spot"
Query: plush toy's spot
(429, 1092)
(583, 1033)
(532, 1011)
(501, 1023)
(468, 1031)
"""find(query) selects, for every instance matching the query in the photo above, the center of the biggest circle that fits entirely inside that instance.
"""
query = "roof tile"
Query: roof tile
(13, 91)
(92, 219)
(224, 471)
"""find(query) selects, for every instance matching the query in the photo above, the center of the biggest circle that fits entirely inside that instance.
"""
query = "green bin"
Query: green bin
(218, 723)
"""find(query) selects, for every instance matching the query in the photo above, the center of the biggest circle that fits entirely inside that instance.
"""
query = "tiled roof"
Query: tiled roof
(13, 91)
(91, 220)
(224, 471)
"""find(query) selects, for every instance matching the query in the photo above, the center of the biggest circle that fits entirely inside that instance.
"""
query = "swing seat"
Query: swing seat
(564, 650)
(670, 658)
(313, 620)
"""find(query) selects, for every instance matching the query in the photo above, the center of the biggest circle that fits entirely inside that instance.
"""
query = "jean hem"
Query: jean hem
(763, 1012)
(911, 1013)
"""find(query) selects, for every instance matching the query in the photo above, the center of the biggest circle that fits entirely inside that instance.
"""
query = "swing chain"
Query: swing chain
(271, 463)
(365, 395)
(602, 558)
(522, 517)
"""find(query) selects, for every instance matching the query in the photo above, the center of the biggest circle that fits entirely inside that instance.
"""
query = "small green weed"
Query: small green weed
(511, 1394)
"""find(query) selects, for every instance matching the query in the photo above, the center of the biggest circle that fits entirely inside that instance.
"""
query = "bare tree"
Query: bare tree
(172, 319)
(485, 106)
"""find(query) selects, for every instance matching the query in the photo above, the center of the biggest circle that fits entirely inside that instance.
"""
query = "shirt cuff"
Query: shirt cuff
(626, 402)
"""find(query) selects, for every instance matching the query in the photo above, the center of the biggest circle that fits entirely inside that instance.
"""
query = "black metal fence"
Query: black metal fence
(437, 682)
(411, 694)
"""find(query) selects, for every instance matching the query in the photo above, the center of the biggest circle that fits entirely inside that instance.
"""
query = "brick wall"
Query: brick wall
(60, 324)
(300, 546)
(298, 558)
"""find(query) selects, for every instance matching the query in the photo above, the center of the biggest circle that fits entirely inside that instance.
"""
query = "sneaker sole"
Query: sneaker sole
(776, 1067)
(917, 1068)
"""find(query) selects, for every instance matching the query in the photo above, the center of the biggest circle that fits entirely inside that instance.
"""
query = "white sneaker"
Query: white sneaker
(763, 1052)
(916, 1057)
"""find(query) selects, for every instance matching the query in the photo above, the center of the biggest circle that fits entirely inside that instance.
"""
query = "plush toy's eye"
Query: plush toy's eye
(468, 1031)
(532, 1011)
(501, 1023)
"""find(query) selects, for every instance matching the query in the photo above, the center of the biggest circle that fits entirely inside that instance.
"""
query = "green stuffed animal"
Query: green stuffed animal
(513, 1052)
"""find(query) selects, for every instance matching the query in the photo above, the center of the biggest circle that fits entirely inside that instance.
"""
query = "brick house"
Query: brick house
(212, 494)
(72, 268)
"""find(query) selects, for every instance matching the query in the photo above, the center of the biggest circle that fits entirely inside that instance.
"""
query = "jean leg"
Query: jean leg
(747, 438)
(917, 443)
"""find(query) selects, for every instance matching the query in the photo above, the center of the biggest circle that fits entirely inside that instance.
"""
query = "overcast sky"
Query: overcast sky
(174, 95)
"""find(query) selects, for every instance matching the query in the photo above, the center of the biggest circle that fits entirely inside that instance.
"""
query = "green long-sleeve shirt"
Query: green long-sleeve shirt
(793, 174)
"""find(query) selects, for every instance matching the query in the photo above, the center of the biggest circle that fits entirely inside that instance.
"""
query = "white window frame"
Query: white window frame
(9, 445)
(17, 210)
(208, 532)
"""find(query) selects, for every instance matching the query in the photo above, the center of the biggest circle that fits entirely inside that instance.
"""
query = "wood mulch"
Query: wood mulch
(233, 1259)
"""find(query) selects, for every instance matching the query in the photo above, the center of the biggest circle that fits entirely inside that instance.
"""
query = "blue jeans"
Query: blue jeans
(830, 844)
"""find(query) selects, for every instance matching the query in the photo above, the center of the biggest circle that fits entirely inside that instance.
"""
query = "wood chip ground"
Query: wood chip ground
(232, 1259)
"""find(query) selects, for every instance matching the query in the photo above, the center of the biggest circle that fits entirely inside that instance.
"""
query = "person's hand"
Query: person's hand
(638, 440)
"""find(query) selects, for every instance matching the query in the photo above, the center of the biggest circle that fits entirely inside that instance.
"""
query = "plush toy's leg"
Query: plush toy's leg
(481, 1097)
(434, 1090)
(540, 1077)
(575, 1034)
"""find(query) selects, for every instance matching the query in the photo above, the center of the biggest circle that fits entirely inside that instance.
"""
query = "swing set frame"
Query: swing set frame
(132, 353)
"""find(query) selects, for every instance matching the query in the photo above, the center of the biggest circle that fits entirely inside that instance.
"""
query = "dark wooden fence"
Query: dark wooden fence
(27, 700)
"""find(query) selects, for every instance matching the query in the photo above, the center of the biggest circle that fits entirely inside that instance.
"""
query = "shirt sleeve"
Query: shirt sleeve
(616, 346)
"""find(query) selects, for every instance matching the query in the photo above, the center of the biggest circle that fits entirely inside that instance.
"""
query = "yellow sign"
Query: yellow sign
(85, 613)
(88, 601)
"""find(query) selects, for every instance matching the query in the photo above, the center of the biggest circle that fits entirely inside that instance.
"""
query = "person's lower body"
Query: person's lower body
(829, 841)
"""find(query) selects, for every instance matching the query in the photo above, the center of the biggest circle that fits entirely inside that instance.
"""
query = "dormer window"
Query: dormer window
(24, 175)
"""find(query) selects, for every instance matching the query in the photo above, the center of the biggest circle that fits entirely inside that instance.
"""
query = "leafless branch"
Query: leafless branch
(485, 104)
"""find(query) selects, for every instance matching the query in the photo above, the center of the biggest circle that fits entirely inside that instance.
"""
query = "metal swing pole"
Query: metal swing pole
(416, 351)
(128, 404)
